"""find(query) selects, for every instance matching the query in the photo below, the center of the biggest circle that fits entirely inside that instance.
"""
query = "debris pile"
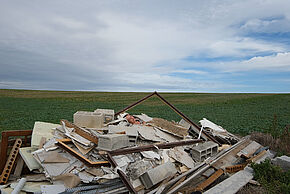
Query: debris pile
(104, 152)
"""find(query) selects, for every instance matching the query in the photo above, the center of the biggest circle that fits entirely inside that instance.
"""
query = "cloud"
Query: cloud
(69, 23)
(190, 71)
(279, 62)
(125, 45)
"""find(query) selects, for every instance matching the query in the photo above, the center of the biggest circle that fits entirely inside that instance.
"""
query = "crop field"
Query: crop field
(238, 113)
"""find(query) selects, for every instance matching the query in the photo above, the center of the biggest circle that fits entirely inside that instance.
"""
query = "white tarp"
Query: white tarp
(208, 124)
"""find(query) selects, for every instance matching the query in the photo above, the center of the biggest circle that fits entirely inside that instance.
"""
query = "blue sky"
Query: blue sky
(120, 45)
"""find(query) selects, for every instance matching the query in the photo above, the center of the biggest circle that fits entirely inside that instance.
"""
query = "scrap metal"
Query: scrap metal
(111, 185)
(153, 146)
(175, 110)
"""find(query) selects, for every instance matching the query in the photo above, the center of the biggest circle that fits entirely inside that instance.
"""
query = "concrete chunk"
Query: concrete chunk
(204, 150)
(42, 129)
(138, 168)
(232, 184)
(131, 132)
(108, 114)
(89, 119)
(208, 172)
(158, 174)
(113, 141)
(283, 162)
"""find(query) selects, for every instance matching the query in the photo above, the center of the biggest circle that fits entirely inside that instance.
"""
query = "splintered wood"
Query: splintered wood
(235, 168)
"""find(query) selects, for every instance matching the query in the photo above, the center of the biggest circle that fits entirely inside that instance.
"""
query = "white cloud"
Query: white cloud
(72, 24)
(278, 62)
(127, 43)
(190, 71)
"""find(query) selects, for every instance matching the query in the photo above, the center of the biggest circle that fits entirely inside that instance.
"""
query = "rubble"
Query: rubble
(108, 114)
(31, 163)
(158, 174)
(204, 150)
(89, 119)
(234, 183)
(113, 141)
(105, 152)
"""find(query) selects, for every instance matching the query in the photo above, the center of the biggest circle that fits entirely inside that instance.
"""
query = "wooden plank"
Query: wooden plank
(81, 132)
(257, 157)
(19, 167)
(177, 183)
(235, 168)
(210, 180)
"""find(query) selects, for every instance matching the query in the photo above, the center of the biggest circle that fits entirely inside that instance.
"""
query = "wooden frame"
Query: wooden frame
(7, 142)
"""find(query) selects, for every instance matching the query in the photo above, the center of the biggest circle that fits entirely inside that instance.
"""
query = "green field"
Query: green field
(238, 113)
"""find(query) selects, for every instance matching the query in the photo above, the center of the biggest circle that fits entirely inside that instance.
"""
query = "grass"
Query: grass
(238, 113)
(272, 178)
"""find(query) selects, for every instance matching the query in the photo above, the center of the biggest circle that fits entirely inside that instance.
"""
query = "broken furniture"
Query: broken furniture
(8, 140)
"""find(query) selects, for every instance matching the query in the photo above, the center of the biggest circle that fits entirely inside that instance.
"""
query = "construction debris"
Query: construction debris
(89, 119)
(204, 150)
(105, 152)
(233, 183)
(158, 174)
(111, 142)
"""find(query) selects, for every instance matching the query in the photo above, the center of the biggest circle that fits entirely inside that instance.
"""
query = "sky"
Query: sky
(146, 45)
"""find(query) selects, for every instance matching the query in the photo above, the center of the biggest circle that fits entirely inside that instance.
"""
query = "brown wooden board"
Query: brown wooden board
(81, 132)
